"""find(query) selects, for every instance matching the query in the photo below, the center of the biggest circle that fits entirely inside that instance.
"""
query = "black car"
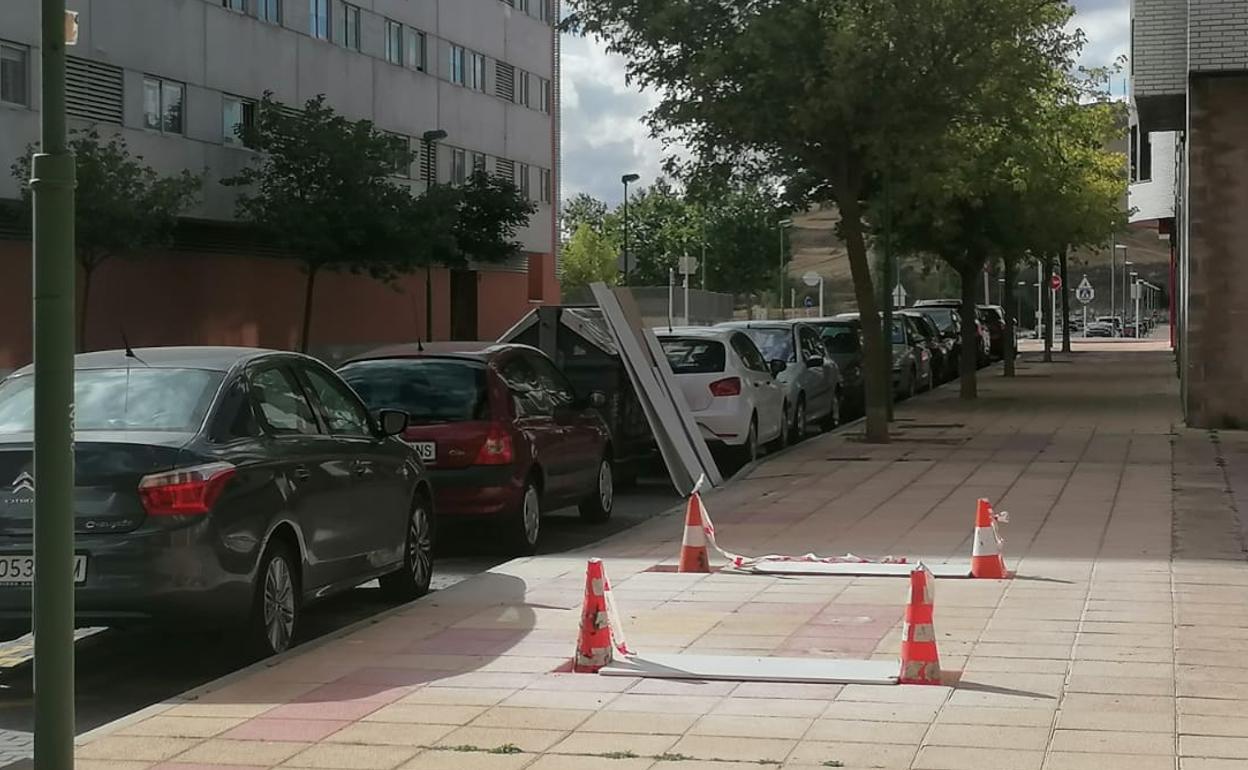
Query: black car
(218, 486)
(949, 324)
(944, 365)
(843, 341)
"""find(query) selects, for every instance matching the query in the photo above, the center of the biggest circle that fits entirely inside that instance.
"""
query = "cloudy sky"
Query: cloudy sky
(603, 136)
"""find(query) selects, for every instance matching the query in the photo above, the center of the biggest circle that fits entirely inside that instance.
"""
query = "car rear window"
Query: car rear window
(690, 355)
(134, 398)
(942, 316)
(428, 389)
(839, 339)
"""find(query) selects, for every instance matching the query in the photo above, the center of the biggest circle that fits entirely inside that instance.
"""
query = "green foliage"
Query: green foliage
(588, 257)
(582, 209)
(490, 212)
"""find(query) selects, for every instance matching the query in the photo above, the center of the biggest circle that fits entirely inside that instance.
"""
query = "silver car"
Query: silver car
(912, 361)
(810, 378)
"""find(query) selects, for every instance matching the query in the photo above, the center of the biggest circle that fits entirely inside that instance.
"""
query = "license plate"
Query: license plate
(20, 570)
(427, 451)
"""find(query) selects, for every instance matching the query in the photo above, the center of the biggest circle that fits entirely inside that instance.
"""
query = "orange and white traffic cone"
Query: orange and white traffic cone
(920, 661)
(593, 644)
(693, 554)
(986, 560)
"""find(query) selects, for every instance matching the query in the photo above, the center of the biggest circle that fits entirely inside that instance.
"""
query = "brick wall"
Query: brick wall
(1219, 35)
(1216, 358)
(1158, 47)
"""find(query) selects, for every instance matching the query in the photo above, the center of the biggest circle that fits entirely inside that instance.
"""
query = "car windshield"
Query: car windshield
(428, 389)
(126, 399)
(691, 355)
(943, 318)
(774, 344)
(839, 339)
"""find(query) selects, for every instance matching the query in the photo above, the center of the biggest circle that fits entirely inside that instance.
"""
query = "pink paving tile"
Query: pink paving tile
(786, 690)
(389, 678)
(772, 608)
(299, 730)
(192, 766)
(461, 647)
(583, 683)
(681, 687)
(345, 690)
(348, 711)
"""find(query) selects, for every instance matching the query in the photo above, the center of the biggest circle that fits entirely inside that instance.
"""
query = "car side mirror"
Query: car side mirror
(814, 362)
(393, 421)
(776, 367)
(597, 399)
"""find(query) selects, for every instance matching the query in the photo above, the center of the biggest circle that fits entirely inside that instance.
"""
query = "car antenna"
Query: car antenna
(129, 350)
(420, 348)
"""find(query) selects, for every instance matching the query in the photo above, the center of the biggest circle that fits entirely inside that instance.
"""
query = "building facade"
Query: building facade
(1189, 87)
(175, 78)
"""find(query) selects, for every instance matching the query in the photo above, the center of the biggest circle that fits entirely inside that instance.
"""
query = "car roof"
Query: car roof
(217, 359)
(938, 303)
(719, 332)
(780, 325)
(468, 351)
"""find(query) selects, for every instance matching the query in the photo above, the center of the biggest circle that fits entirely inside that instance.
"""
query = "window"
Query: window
(351, 27)
(811, 346)
(459, 167)
(552, 381)
(235, 419)
(522, 87)
(459, 63)
(524, 181)
(394, 42)
(319, 19)
(775, 344)
(163, 105)
(237, 114)
(748, 351)
(14, 74)
(283, 406)
(522, 5)
(270, 11)
(429, 389)
(544, 10)
(235, 5)
(401, 165)
(545, 95)
(477, 74)
(693, 355)
(478, 162)
(344, 414)
(547, 188)
(416, 41)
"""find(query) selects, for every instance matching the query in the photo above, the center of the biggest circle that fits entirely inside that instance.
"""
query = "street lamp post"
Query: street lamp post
(1126, 265)
(784, 224)
(1135, 296)
(52, 185)
(430, 139)
(626, 180)
(1113, 273)
(1018, 315)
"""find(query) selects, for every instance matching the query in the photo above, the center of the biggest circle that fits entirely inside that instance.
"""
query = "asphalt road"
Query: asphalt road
(119, 672)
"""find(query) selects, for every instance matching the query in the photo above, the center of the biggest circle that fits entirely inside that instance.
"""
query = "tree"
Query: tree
(661, 229)
(582, 209)
(122, 207)
(491, 211)
(739, 226)
(589, 257)
(825, 95)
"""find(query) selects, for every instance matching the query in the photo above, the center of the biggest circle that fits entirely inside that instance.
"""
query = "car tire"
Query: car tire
(838, 408)
(797, 428)
(411, 581)
(276, 608)
(524, 525)
(749, 451)
(913, 388)
(597, 507)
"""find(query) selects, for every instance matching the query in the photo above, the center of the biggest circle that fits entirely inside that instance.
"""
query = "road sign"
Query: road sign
(1055, 282)
(811, 278)
(809, 302)
(1084, 292)
(687, 265)
(899, 296)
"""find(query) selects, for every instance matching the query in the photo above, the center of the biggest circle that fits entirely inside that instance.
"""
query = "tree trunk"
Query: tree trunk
(88, 270)
(876, 355)
(969, 365)
(309, 290)
(1065, 303)
(1046, 308)
(1009, 302)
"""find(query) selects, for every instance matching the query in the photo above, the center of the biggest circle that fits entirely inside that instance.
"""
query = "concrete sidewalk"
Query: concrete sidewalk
(1117, 645)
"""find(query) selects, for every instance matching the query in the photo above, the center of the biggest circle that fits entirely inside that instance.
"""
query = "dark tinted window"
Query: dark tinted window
(235, 417)
(899, 332)
(840, 339)
(552, 381)
(527, 394)
(944, 318)
(774, 344)
(283, 407)
(749, 353)
(428, 389)
(343, 413)
(691, 355)
(811, 346)
(137, 398)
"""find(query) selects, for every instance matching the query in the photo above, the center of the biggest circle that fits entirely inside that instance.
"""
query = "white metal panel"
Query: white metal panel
(864, 569)
(741, 668)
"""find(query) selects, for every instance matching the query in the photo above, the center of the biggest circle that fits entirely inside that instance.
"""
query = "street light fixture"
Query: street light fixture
(1126, 264)
(1113, 276)
(626, 180)
(783, 224)
(430, 139)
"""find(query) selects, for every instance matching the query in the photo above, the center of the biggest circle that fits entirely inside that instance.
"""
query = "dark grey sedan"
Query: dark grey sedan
(218, 486)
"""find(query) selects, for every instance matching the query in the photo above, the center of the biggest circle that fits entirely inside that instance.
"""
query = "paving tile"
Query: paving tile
(1113, 742)
(996, 736)
(456, 760)
(1202, 763)
(354, 757)
(1213, 746)
(978, 715)
(816, 753)
(1231, 726)
(532, 718)
(600, 743)
(134, 747)
(675, 704)
(493, 737)
(417, 713)
(1062, 760)
(222, 752)
(390, 734)
(181, 726)
(777, 707)
(455, 696)
(308, 730)
(962, 758)
(557, 762)
(856, 731)
(116, 764)
(751, 726)
(741, 749)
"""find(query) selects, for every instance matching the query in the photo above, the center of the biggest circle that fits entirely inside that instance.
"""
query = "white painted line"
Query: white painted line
(741, 668)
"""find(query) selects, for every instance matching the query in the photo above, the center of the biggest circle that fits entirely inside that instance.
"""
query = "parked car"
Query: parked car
(843, 341)
(504, 434)
(912, 363)
(218, 486)
(810, 378)
(949, 323)
(982, 335)
(730, 388)
(1099, 329)
(1114, 322)
(938, 346)
(993, 318)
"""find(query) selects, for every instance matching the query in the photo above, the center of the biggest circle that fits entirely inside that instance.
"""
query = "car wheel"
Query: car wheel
(797, 429)
(276, 610)
(524, 526)
(748, 452)
(913, 388)
(834, 416)
(412, 579)
(598, 506)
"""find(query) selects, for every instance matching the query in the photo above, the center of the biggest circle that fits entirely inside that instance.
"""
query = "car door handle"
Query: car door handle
(302, 473)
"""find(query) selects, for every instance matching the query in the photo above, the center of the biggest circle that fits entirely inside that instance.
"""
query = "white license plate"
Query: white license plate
(20, 570)
(427, 451)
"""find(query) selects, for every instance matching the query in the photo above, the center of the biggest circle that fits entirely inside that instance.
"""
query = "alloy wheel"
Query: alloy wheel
(279, 604)
(532, 513)
(606, 486)
(420, 546)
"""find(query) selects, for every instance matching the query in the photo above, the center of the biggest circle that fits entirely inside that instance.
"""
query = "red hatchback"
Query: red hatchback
(499, 428)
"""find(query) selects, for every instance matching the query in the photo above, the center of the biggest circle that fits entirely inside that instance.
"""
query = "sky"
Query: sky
(603, 136)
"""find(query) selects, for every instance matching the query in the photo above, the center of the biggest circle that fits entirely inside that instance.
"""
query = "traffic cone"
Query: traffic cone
(593, 644)
(920, 661)
(693, 555)
(986, 561)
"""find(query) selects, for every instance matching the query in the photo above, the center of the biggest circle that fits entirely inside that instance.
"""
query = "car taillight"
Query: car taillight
(730, 386)
(186, 491)
(497, 447)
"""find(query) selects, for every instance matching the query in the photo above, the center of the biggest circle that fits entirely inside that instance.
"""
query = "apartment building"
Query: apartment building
(1189, 95)
(175, 78)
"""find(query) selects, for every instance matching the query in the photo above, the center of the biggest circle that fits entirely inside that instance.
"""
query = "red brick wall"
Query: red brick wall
(198, 299)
